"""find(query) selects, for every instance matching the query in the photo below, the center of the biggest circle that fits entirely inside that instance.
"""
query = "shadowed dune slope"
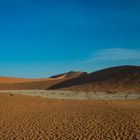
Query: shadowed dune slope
(115, 79)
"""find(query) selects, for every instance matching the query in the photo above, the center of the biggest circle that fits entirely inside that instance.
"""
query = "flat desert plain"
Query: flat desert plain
(35, 118)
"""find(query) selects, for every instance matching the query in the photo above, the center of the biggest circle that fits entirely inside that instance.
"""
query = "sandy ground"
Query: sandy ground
(58, 94)
(36, 118)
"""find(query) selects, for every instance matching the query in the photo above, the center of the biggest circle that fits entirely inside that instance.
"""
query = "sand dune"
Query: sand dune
(35, 118)
(69, 75)
(15, 80)
(9, 83)
(115, 79)
(43, 84)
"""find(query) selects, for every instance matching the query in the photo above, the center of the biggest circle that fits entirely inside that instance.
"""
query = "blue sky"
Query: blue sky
(39, 38)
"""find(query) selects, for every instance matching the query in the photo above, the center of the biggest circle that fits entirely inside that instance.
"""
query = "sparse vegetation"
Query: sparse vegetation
(11, 94)
(109, 92)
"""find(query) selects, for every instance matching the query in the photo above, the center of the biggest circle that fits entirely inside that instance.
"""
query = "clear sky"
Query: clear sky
(39, 38)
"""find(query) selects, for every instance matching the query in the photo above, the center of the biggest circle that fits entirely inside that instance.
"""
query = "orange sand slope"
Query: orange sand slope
(14, 80)
(8, 83)
(35, 118)
(68, 75)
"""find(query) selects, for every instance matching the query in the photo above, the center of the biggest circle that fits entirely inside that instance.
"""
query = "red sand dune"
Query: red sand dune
(115, 79)
(7, 83)
(16, 80)
(69, 75)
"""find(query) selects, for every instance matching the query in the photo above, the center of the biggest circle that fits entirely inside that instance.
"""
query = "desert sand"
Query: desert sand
(36, 118)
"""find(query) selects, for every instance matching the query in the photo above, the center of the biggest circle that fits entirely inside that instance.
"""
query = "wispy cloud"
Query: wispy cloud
(115, 54)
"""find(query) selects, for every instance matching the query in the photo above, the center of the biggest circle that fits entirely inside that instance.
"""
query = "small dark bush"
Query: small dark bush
(109, 92)
(11, 94)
